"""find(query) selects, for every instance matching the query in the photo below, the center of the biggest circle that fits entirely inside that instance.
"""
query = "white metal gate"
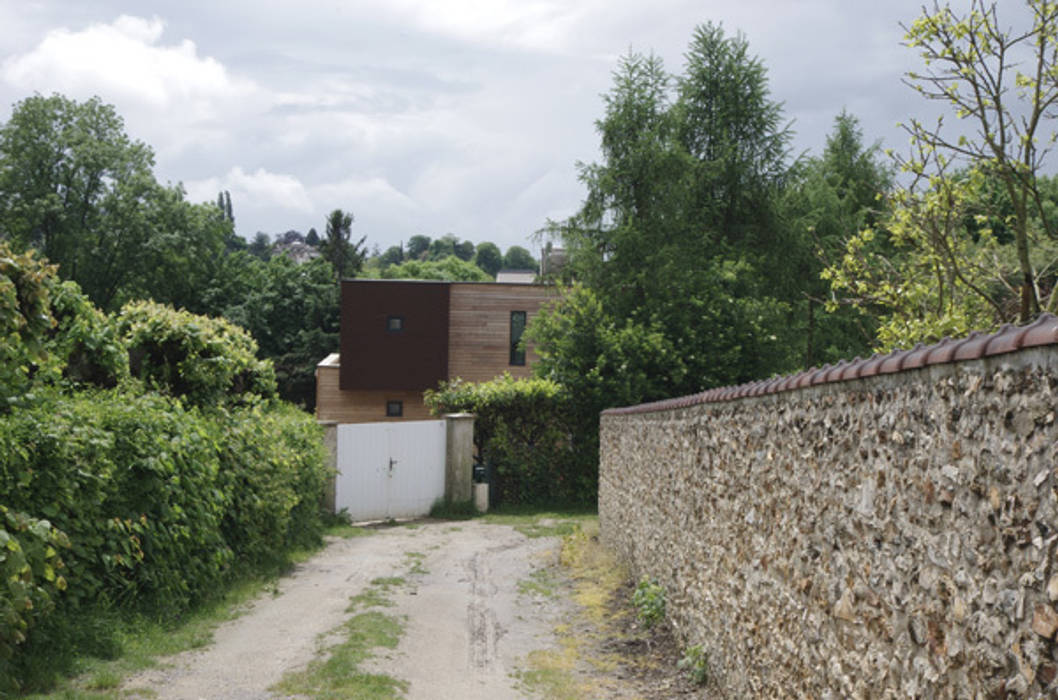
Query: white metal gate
(390, 470)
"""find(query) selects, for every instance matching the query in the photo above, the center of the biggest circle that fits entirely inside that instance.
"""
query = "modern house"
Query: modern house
(399, 338)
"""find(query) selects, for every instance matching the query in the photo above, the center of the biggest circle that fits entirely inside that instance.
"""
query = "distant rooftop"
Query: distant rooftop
(516, 276)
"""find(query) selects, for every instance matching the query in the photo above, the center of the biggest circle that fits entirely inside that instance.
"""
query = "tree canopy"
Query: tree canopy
(74, 186)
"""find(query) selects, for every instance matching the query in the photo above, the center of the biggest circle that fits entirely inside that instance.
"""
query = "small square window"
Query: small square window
(394, 409)
(394, 324)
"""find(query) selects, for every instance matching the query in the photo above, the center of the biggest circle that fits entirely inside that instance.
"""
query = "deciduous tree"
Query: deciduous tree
(1003, 83)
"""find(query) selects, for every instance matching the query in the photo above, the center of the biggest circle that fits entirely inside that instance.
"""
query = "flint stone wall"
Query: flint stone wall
(885, 537)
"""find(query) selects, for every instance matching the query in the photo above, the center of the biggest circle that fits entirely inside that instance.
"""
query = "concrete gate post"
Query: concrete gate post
(459, 457)
(330, 442)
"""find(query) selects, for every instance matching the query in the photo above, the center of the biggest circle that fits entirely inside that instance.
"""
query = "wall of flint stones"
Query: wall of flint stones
(893, 536)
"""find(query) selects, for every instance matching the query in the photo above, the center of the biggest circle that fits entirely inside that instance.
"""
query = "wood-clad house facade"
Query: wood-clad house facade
(399, 338)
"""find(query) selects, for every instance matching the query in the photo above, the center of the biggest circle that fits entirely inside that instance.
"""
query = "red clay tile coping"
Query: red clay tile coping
(1043, 331)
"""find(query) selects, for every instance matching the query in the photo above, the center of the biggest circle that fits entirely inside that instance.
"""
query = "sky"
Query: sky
(424, 116)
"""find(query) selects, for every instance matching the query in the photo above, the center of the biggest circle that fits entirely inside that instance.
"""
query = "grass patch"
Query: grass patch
(577, 670)
(552, 674)
(534, 522)
(346, 531)
(541, 582)
(456, 510)
(415, 560)
(135, 642)
(139, 641)
(339, 675)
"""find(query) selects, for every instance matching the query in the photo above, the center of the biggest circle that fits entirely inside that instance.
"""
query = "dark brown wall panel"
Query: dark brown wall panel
(373, 357)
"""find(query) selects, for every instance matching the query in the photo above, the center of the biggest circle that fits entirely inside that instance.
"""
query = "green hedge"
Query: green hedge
(521, 435)
(162, 504)
(209, 361)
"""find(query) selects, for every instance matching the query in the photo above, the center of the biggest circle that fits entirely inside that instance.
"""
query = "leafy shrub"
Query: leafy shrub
(85, 346)
(32, 572)
(695, 663)
(25, 319)
(131, 480)
(600, 362)
(649, 602)
(519, 434)
(206, 360)
(274, 470)
(163, 504)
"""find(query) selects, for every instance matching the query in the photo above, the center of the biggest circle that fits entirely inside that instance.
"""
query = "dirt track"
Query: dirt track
(467, 626)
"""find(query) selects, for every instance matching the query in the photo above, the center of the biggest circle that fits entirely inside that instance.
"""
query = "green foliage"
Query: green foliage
(418, 246)
(25, 320)
(488, 258)
(206, 360)
(600, 362)
(972, 58)
(464, 250)
(162, 504)
(441, 248)
(518, 258)
(345, 257)
(827, 202)
(520, 435)
(696, 663)
(291, 310)
(76, 188)
(394, 255)
(649, 602)
(274, 484)
(85, 347)
(679, 233)
(450, 268)
(32, 573)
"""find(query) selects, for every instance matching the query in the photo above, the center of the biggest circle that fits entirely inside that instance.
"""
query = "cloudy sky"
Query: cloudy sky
(422, 116)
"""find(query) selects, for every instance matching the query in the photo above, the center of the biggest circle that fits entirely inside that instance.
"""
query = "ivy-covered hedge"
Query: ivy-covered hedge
(521, 436)
(143, 465)
(208, 361)
(33, 577)
(25, 319)
(160, 501)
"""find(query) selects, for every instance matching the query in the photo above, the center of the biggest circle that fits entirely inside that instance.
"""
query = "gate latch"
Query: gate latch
(391, 463)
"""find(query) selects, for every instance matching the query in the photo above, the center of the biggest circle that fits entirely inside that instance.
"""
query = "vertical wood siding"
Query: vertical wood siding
(479, 330)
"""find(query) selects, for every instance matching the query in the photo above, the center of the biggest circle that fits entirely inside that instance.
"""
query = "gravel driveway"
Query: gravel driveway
(467, 626)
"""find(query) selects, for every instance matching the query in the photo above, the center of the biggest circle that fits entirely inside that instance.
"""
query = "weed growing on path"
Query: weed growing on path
(339, 675)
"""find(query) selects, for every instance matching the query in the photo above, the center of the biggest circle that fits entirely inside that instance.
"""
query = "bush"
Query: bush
(163, 504)
(274, 470)
(32, 572)
(85, 345)
(131, 480)
(25, 319)
(206, 360)
(520, 435)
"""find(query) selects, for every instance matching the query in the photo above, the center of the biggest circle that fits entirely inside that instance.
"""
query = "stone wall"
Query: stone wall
(889, 536)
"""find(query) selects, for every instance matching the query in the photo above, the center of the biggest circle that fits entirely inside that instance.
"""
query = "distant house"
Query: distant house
(399, 338)
(295, 250)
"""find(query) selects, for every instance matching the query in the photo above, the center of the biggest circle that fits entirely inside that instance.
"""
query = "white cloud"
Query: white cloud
(353, 193)
(124, 61)
(257, 189)
(532, 24)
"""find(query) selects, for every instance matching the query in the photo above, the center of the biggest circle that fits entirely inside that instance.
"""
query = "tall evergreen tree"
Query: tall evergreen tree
(346, 258)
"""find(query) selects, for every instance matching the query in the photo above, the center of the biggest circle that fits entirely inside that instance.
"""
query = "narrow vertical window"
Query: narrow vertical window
(517, 329)
(394, 409)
